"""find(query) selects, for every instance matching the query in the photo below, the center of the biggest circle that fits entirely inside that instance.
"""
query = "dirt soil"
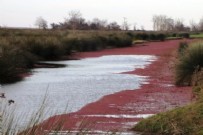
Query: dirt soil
(120, 111)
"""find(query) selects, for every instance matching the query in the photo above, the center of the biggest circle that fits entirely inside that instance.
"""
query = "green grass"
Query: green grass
(173, 38)
(199, 35)
(186, 120)
(182, 121)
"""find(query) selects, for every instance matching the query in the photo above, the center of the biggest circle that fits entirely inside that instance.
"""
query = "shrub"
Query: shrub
(82, 45)
(130, 34)
(13, 61)
(161, 37)
(46, 48)
(182, 47)
(142, 36)
(174, 35)
(150, 36)
(90, 44)
(119, 41)
(184, 35)
(189, 63)
(71, 44)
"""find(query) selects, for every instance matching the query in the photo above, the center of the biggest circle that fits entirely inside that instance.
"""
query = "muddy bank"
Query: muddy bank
(120, 111)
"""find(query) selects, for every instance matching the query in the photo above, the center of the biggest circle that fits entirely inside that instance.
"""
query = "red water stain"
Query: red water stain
(158, 95)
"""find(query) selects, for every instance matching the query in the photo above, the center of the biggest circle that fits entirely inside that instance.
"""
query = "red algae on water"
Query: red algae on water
(121, 110)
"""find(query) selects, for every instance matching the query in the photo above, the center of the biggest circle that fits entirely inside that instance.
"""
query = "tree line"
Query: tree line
(75, 21)
(165, 23)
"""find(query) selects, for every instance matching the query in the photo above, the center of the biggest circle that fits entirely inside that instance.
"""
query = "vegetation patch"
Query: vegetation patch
(21, 49)
(196, 35)
(181, 121)
(190, 61)
(186, 120)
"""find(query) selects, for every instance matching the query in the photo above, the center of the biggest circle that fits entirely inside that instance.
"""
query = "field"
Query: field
(198, 35)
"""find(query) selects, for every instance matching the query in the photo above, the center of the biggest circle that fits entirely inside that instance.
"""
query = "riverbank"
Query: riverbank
(120, 111)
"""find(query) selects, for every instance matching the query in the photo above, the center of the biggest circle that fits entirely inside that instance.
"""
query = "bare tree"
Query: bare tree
(75, 20)
(53, 26)
(201, 24)
(41, 23)
(99, 24)
(142, 28)
(135, 27)
(113, 26)
(194, 26)
(125, 24)
(179, 25)
(162, 23)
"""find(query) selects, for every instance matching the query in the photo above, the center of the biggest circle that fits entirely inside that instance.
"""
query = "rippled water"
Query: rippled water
(81, 82)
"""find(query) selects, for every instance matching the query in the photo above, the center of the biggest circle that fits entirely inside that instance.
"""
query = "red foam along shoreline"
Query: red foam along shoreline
(121, 110)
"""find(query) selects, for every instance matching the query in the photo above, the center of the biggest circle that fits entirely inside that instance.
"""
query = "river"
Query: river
(70, 88)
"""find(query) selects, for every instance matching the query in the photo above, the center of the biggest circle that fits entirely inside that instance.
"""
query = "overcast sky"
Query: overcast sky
(23, 13)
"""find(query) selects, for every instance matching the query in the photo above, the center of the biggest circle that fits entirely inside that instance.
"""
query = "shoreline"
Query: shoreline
(121, 110)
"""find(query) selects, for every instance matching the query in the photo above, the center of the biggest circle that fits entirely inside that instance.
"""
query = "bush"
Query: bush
(119, 41)
(90, 44)
(174, 35)
(47, 48)
(184, 35)
(150, 36)
(182, 47)
(189, 63)
(161, 37)
(142, 36)
(13, 62)
(82, 45)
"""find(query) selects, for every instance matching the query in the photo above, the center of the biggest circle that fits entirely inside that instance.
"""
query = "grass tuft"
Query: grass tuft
(190, 61)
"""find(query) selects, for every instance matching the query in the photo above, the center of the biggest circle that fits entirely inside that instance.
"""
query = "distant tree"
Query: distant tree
(142, 28)
(201, 24)
(179, 25)
(162, 23)
(75, 20)
(125, 25)
(41, 23)
(98, 24)
(194, 26)
(114, 26)
(135, 27)
(54, 26)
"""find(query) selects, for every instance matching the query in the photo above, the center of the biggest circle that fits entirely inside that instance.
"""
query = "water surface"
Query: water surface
(79, 83)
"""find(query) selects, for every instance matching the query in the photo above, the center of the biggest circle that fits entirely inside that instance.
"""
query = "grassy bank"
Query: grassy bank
(20, 49)
(196, 35)
(186, 120)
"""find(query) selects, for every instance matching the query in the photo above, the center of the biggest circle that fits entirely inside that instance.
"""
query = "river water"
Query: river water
(70, 88)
